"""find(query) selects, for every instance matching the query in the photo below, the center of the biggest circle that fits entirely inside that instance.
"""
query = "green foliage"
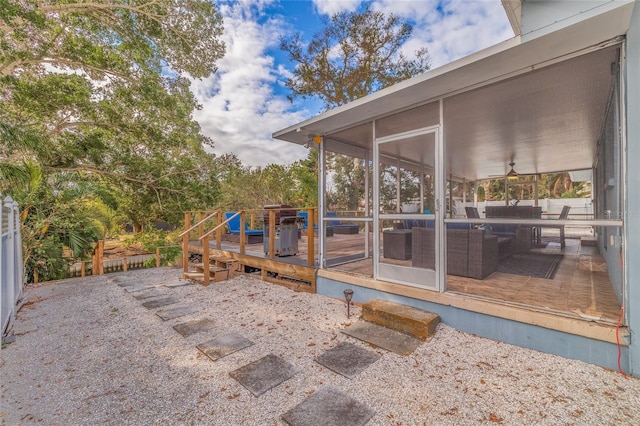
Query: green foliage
(109, 38)
(305, 176)
(347, 174)
(550, 185)
(97, 103)
(252, 188)
(57, 227)
(151, 239)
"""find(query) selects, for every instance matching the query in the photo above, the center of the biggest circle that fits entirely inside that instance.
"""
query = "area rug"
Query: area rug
(535, 265)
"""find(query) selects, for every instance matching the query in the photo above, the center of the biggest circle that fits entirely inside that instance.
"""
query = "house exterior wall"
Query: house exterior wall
(632, 209)
(504, 330)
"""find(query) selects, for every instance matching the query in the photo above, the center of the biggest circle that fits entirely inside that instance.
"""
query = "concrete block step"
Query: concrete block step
(406, 319)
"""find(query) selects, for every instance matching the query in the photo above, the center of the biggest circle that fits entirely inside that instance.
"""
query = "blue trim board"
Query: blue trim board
(513, 332)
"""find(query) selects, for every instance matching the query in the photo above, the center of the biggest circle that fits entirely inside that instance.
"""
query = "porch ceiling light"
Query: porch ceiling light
(512, 173)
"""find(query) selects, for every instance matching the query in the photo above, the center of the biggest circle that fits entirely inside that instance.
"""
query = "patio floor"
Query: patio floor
(574, 290)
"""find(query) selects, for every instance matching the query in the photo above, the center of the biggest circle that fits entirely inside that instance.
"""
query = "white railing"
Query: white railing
(11, 270)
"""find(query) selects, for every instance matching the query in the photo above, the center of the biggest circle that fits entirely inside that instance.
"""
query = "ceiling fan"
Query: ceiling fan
(511, 174)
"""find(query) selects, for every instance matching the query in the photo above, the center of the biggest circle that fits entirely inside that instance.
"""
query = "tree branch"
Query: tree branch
(90, 169)
(100, 7)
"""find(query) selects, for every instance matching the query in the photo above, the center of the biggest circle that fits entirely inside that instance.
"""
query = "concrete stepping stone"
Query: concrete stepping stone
(127, 283)
(328, 407)
(193, 327)
(176, 312)
(159, 303)
(149, 294)
(264, 374)
(23, 327)
(224, 345)
(138, 288)
(347, 359)
(383, 337)
(179, 284)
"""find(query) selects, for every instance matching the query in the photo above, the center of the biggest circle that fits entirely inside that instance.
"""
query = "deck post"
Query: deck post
(185, 244)
(205, 261)
(94, 262)
(218, 231)
(125, 266)
(101, 257)
(157, 257)
(310, 236)
(82, 272)
(242, 232)
(201, 227)
(272, 233)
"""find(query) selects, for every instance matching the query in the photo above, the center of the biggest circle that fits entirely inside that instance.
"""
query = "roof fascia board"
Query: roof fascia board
(513, 9)
(623, 8)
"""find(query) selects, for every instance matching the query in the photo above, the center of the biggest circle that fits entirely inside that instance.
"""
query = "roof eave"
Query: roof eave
(513, 9)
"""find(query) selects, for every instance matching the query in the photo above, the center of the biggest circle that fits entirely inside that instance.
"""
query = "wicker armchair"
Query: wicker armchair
(470, 252)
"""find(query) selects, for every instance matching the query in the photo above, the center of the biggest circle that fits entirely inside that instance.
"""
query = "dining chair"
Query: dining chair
(563, 215)
(472, 212)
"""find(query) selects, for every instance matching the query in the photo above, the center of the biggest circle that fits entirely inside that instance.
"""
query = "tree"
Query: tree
(101, 85)
(348, 181)
(96, 95)
(357, 53)
(305, 174)
(110, 38)
(54, 218)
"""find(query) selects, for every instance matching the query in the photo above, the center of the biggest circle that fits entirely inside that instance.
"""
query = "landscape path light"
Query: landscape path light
(348, 295)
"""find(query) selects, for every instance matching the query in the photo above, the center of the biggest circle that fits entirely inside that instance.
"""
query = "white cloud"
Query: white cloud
(240, 110)
(330, 7)
(451, 29)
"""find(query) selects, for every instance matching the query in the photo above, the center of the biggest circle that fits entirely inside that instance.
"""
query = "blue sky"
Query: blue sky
(246, 101)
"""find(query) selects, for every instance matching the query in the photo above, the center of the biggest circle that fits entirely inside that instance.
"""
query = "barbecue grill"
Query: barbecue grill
(286, 230)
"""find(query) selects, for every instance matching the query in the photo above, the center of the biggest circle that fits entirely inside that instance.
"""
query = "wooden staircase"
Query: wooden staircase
(220, 268)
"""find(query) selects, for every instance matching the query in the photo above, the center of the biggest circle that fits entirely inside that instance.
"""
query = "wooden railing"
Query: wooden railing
(205, 233)
(98, 265)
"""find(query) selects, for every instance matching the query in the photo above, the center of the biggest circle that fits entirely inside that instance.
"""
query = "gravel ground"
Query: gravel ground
(87, 352)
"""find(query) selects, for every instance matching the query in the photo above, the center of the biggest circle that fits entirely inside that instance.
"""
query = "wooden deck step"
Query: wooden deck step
(406, 319)
(216, 273)
(212, 268)
(225, 262)
(196, 276)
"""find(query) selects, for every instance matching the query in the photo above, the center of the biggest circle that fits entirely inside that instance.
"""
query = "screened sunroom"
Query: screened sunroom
(513, 114)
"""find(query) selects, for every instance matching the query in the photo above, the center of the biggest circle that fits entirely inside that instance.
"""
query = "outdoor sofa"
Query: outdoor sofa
(471, 253)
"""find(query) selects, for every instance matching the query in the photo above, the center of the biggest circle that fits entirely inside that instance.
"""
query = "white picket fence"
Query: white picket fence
(581, 208)
(11, 269)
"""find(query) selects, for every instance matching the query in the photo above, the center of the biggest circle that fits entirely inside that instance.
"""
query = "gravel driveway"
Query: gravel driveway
(87, 352)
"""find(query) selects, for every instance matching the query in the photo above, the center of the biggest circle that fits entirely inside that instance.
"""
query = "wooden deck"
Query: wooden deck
(575, 291)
